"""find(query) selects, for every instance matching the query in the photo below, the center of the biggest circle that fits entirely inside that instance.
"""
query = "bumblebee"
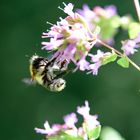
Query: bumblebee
(48, 72)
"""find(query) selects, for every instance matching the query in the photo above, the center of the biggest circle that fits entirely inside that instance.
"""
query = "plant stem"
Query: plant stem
(109, 47)
(137, 5)
(119, 53)
(134, 64)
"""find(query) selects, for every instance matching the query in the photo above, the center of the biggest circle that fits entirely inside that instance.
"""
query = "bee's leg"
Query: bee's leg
(64, 65)
(61, 74)
(51, 61)
(60, 65)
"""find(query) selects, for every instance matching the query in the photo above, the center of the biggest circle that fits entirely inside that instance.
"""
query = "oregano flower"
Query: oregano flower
(89, 129)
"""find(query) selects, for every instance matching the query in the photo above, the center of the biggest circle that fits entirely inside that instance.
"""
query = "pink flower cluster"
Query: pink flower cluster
(71, 38)
(130, 46)
(90, 122)
(98, 14)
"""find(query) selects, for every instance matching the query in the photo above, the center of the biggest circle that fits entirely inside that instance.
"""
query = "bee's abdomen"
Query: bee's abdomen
(46, 79)
(57, 85)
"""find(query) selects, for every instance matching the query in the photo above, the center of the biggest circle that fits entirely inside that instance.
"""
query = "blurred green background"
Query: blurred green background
(114, 94)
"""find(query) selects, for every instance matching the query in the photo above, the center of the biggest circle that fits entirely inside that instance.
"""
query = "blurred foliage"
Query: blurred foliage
(114, 94)
(109, 133)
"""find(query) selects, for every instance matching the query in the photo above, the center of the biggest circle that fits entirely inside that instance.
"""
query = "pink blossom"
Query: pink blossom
(82, 64)
(111, 10)
(87, 13)
(69, 9)
(130, 46)
(97, 61)
(107, 11)
(94, 68)
(84, 110)
(47, 130)
(89, 120)
(89, 123)
(70, 120)
(71, 38)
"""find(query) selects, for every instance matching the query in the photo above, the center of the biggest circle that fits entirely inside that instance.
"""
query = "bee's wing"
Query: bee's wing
(28, 81)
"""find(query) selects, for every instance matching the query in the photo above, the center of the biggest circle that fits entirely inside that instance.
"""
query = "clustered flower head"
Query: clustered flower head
(90, 128)
(107, 18)
(72, 39)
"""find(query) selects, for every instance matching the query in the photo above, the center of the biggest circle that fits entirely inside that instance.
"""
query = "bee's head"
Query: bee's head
(57, 85)
(33, 58)
(37, 65)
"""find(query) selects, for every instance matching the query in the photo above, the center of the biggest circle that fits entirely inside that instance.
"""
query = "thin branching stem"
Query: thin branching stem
(137, 5)
(119, 53)
(109, 47)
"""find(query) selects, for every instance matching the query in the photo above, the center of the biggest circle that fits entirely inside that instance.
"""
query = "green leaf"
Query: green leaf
(133, 30)
(109, 26)
(109, 133)
(126, 21)
(64, 136)
(123, 62)
(94, 133)
(109, 58)
(97, 131)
